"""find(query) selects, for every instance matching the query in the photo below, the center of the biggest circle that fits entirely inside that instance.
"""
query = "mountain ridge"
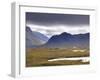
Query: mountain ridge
(34, 38)
(68, 40)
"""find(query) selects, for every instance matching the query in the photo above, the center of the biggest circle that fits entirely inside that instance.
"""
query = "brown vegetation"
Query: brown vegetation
(40, 56)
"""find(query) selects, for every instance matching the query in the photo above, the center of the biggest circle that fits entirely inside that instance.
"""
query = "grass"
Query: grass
(40, 57)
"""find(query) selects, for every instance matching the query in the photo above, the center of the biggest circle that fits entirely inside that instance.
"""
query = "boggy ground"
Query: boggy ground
(40, 56)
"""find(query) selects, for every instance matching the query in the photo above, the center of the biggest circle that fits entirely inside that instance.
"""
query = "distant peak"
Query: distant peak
(28, 28)
(65, 33)
(85, 34)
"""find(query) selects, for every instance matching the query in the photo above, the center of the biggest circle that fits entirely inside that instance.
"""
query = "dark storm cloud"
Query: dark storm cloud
(49, 19)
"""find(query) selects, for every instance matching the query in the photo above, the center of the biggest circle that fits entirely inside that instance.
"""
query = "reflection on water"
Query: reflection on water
(83, 59)
(79, 50)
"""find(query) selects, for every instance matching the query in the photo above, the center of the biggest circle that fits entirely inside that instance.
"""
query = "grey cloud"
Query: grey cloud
(49, 19)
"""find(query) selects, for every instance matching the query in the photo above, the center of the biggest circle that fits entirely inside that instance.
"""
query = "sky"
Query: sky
(51, 24)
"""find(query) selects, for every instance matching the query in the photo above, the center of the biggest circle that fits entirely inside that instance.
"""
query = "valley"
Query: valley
(42, 56)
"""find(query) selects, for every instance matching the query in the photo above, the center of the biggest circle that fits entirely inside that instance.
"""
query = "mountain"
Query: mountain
(34, 38)
(68, 40)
